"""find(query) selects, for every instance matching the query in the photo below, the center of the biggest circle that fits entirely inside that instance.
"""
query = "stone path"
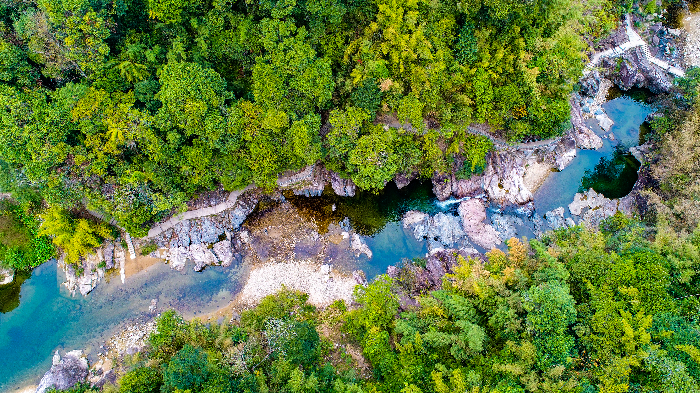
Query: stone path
(205, 211)
(635, 40)
(130, 246)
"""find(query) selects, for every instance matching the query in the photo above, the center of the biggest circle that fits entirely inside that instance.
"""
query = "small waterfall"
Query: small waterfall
(444, 205)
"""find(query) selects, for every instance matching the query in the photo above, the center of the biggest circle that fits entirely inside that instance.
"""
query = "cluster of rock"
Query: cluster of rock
(413, 279)
(85, 276)
(664, 42)
(593, 208)
(512, 173)
(209, 240)
(312, 180)
(461, 232)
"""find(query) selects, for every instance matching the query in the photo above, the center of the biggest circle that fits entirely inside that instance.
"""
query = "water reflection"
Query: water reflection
(613, 176)
(10, 293)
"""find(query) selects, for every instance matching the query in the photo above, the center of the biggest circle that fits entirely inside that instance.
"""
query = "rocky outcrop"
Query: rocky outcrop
(312, 180)
(359, 246)
(85, 276)
(635, 70)
(441, 230)
(593, 207)
(503, 177)
(564, 153)
(473, 214)
(341, 187)
(224, 253)
(402, 179)
(585, 138)
(7, 275)
(209, 240)
(416, 280)
(65, 372)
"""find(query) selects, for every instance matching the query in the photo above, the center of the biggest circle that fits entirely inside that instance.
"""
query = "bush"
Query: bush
(21, 247)
(141, 380)
(187, 370)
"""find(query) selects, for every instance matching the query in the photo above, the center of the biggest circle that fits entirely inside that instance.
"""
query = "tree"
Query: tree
(77, 238)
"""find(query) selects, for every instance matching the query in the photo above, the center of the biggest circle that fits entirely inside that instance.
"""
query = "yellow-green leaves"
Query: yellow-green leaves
(76, 237)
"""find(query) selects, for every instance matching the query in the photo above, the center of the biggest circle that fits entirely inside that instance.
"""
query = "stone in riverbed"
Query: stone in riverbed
(555, 218)
(224, 252)
(202, 256)
(359, 246)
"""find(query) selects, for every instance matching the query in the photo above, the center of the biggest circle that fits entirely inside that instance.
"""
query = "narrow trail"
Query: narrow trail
(635, 40)
(205, 211)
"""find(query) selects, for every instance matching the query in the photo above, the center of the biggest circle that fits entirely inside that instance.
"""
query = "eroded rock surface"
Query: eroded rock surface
(65, 372)
(473, 214)
(593, 207)
(441, 230)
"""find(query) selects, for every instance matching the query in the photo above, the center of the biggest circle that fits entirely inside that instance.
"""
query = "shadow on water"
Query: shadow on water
(613, 176)
(368, 213)
(376, 217)
(10, 293)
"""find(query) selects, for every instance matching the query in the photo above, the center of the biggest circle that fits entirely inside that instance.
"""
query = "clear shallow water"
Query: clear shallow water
(48, 318)
(560, 187)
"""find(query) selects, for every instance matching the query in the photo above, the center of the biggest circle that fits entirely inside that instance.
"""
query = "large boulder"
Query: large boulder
(584, 136)
(441, 231)
(341, 187)
(503, 177)
(473, 214)
(65, 372)
(633, 69)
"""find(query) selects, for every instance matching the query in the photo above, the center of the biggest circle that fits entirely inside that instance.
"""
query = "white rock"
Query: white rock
(223, 252)
(359, 246)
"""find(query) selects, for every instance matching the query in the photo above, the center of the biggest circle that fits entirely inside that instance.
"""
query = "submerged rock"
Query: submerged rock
(65, 372)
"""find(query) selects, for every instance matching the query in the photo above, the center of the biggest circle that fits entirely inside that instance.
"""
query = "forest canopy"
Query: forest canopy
(131, 107)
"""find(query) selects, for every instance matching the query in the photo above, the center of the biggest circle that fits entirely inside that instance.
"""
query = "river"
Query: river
(49, 318)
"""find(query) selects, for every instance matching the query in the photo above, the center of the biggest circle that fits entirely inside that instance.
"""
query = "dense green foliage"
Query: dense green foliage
(608, 310)
(76, 237)
(22, 245)
(132, 107)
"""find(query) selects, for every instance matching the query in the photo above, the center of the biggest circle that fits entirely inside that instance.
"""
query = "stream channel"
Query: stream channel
(48, 318)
